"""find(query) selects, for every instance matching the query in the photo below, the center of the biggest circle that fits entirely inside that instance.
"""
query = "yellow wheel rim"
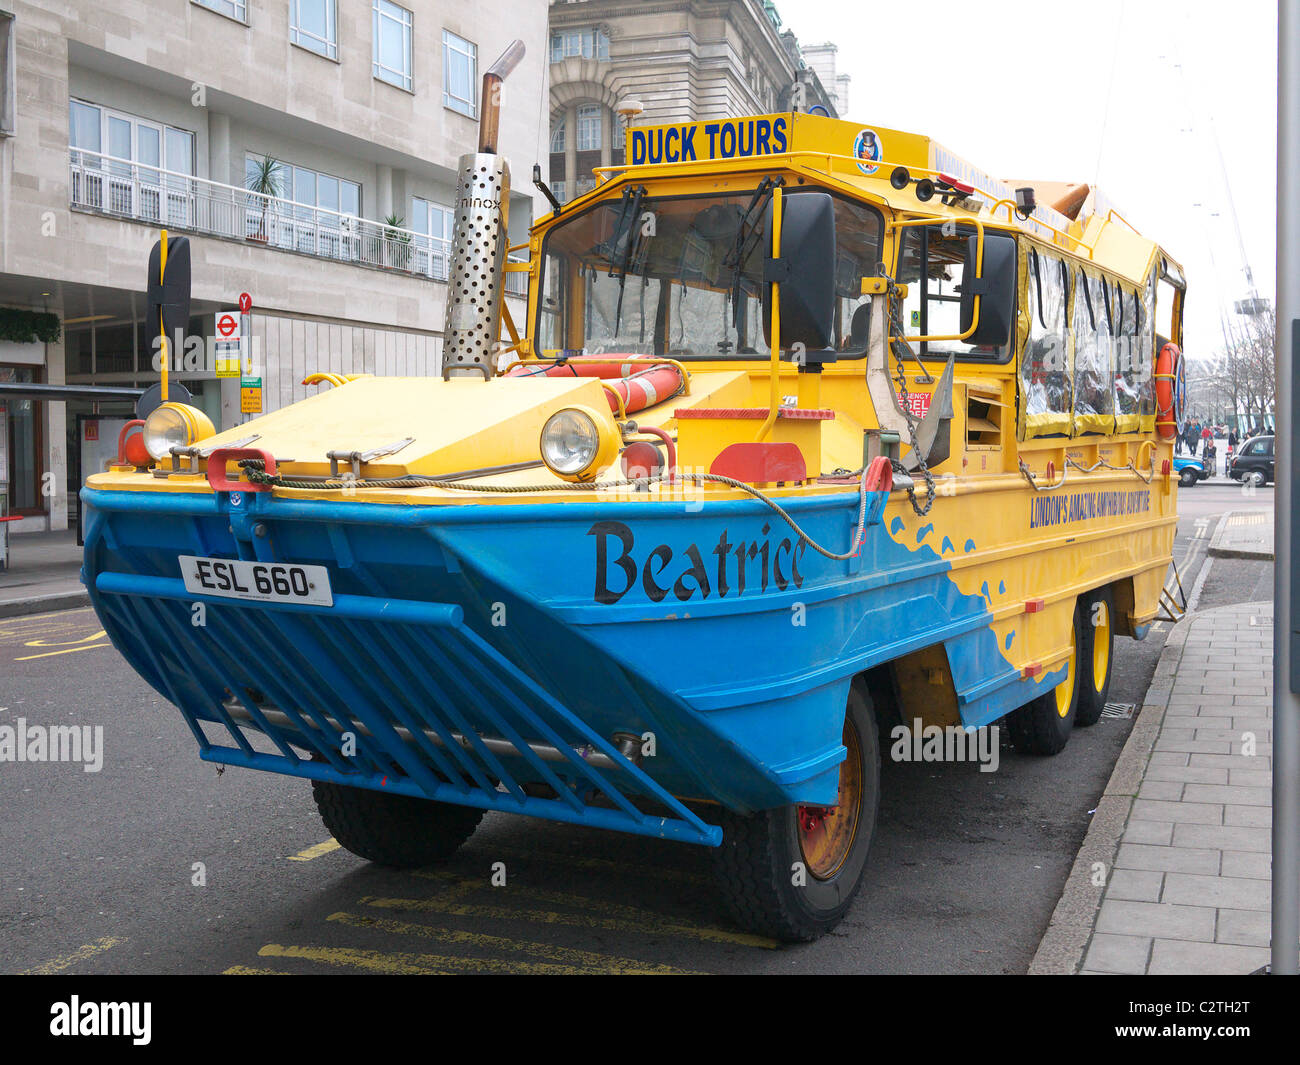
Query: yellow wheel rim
(1065, 690)
(1101, 649)
(826, 834)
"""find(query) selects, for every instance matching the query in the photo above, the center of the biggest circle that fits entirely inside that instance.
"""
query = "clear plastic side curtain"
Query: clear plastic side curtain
(1046, 362)
(1129, 363)
(1094, 371)
(1147, 340)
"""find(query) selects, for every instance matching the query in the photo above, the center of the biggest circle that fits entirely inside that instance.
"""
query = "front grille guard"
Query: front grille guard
(434, 711)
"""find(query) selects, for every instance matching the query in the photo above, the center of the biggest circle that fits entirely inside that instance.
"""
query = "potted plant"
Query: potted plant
(397, 242)
(265, 177)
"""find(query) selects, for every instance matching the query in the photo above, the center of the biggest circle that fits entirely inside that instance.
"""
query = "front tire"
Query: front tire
(1187, 477)
(1044, 725)
(391, 829)
(792, 873)
(1097, 655)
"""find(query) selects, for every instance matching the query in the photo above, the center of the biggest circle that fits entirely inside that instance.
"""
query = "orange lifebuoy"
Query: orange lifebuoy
(1171, 390)
(638, 389)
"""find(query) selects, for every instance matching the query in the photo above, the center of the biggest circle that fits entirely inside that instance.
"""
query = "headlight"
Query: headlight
(575, 441)
(175, 425)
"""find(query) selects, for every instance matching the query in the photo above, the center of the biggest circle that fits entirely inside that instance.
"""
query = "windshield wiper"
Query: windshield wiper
(628, 218)
(745, 241)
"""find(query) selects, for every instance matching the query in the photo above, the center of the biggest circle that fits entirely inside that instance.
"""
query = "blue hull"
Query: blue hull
(712, 635)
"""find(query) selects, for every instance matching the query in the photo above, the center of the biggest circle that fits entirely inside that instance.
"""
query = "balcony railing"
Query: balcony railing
(125, 189)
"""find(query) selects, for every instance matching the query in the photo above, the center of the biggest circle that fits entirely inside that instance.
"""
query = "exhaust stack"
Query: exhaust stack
(476, 285)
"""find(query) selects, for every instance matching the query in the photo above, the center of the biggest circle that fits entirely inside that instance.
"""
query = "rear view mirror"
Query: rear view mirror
(806, 271)
(996, 288)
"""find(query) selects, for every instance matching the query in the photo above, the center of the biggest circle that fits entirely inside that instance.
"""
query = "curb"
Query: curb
(41, 604)
(1218, 550)
(1061, 950)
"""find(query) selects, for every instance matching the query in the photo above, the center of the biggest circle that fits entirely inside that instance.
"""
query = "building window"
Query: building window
(590, 44)
(130, 165)
(235, 9)
(310, 188)
(559, 190)
(434, 222)
(392, 30)
(558, 134)
(459, 74)
(313, 24)
(6, 74)
(590, 120)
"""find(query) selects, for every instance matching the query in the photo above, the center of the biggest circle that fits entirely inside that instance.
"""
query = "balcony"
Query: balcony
(120, 188)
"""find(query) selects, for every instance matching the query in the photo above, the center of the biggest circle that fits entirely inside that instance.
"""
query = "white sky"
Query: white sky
(1020, 90)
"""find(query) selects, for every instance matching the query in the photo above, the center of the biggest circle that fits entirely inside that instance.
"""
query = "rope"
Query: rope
(1098, 465)
(254, 470)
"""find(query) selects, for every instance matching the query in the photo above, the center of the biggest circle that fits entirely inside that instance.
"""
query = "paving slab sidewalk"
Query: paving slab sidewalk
(1244, 534)
(1173, 876)
(43, 573)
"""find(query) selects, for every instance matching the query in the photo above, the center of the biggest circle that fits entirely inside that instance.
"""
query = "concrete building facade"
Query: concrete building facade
(679, 60)
(307, 149)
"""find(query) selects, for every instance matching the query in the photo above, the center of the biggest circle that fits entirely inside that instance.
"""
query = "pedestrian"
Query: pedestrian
(1207, 440)
(1180, 439)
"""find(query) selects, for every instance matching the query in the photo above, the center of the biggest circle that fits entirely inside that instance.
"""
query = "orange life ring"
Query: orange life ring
(1171, 390)
(638, 389)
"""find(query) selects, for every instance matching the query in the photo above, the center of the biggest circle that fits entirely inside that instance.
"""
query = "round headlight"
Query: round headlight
(174, 425)
(573, 443)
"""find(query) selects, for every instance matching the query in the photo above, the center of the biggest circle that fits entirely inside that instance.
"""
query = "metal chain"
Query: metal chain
(894, 309)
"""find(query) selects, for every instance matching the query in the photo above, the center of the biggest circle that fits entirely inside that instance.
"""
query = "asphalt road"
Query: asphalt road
(99, 873)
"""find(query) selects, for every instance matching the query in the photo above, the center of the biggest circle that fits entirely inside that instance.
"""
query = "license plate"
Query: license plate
(273, 582)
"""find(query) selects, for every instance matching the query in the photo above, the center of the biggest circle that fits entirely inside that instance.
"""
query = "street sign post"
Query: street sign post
(1286, 597)
(250, 395)
(229, 346)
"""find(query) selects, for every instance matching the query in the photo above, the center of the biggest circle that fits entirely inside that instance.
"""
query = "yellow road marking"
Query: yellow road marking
(70, 650)
(592, 960)
(250, 970)
(414, 964)
(609, 864)
(316, 851)
(100, 635)
(607, 915)
(80, 954)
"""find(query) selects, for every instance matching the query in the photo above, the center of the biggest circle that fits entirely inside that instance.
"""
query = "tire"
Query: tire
(394, 830)
(1187, 477)
(1043, 726)
(755, 865)
(1256, 478)
(1096, 655)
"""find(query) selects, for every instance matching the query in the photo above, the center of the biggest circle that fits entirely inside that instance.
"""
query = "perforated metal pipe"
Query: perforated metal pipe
(478, 259)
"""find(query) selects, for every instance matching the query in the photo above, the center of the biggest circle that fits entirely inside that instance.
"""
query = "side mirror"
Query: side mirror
(996, 288)
(806, 271)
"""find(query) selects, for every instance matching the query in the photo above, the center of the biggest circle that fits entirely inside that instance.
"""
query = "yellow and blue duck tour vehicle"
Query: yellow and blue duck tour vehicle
(807, 434)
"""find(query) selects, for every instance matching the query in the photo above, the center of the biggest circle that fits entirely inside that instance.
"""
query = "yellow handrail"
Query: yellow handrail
(774, 371)
(979, 273)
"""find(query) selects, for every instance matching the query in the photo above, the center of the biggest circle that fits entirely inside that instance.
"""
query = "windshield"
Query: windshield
(681, 276)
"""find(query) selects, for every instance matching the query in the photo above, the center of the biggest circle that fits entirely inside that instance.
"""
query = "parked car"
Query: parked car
(1254, 461)
(1190, 471)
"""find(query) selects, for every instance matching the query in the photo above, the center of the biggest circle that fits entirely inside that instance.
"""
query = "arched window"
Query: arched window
(558, 133)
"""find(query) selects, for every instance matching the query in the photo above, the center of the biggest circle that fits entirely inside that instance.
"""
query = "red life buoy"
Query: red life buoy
(639, 388)
(1171, 390)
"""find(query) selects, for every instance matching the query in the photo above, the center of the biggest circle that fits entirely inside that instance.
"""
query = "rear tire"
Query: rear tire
(1097, 655)
(1187, 477)
(1044, 725)
(394, 830)
(755, 867)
